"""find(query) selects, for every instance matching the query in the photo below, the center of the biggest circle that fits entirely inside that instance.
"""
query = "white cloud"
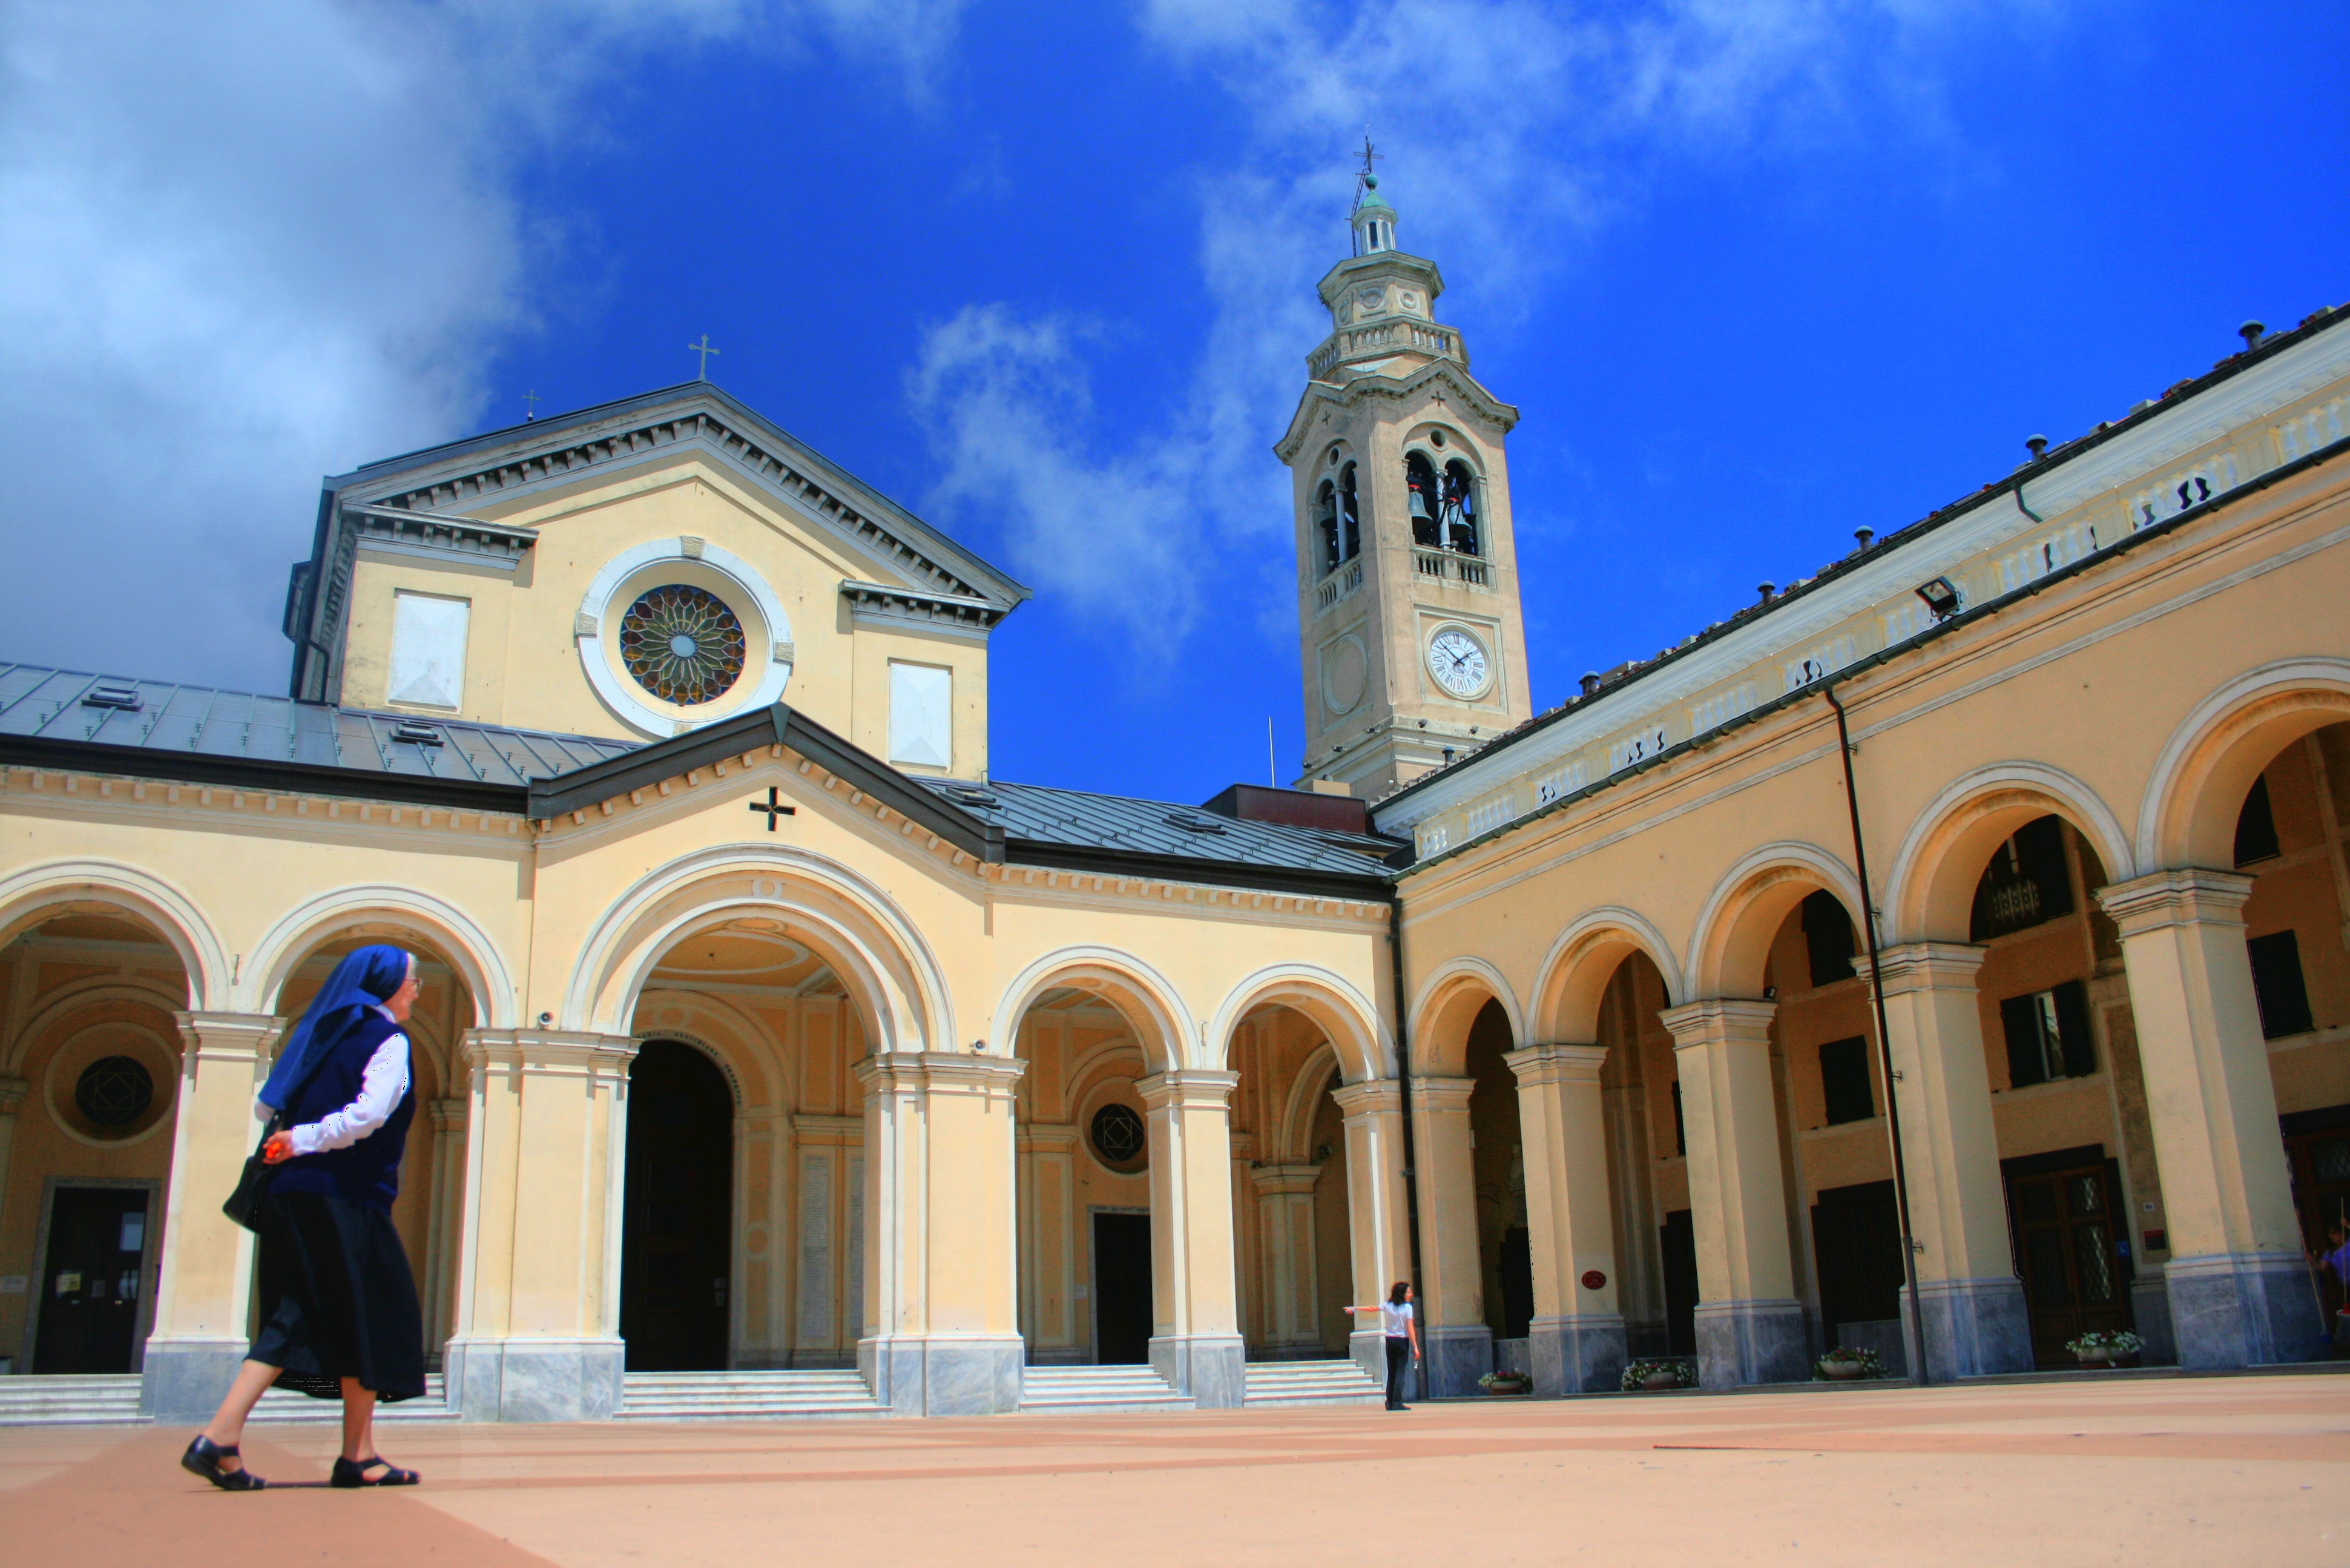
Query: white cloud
(243, 246)
(1511, 131)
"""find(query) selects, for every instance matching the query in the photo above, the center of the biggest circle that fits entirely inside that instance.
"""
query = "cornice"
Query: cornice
(1501, 416)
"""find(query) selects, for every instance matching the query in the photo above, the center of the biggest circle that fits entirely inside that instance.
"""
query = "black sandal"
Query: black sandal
(351, 1473)
(203, 1457)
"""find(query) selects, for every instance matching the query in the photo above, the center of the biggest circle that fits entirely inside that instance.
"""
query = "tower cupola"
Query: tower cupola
(1375, 221)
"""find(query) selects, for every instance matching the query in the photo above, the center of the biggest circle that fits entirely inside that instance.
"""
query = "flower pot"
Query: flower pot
(1661, 1380)
(2100, 1357)
(1837, 1371)
(1509, 1386)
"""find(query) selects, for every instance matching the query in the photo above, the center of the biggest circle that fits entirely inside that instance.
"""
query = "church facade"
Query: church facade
(764, 1029)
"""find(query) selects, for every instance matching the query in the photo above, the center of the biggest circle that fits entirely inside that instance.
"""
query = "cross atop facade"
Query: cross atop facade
(775, 807)
(705, 350)
(530, 399)
(1371, 155)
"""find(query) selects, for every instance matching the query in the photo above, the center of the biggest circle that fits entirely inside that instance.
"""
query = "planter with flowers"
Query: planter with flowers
(1656, 1375)
(1506, 1382)
(2107, 1348)
(1848, 1364)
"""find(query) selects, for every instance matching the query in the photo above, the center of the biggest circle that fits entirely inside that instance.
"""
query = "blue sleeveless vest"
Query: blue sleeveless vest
(367, 1171)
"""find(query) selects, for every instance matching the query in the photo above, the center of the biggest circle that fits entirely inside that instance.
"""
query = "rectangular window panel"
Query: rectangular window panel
(2026, 882)
(1843, 1074)
(428, 650)
(2277, 985)
(1828, 937)
(2048, 1035)
(921, 715)
(2077, 1048)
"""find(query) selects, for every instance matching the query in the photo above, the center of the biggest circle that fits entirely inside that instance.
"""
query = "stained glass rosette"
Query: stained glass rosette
(682, 644)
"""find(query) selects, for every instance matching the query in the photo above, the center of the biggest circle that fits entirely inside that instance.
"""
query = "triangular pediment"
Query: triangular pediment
(1322, 395)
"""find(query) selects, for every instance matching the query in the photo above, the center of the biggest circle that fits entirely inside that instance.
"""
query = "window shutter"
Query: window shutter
(2072, 1029)
(2277, 985)
(2040, 845)
(2019, 1016)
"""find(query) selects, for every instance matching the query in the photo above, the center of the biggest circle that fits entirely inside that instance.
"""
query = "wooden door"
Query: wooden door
(2068, 1250)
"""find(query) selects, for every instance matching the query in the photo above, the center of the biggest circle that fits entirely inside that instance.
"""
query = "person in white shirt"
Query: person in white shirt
(1400, 1325)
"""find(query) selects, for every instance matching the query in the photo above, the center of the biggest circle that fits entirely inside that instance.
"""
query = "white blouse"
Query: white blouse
(383, 1086)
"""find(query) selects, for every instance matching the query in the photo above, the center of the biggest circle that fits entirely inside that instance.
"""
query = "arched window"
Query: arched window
(1419, 483)
(1350, 524)
(1326, 524)
(1458, 517)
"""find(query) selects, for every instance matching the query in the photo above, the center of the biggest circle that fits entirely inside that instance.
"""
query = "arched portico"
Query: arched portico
(42, 892)
(383, 912)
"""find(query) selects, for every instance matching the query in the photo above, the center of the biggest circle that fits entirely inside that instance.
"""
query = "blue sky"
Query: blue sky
(1755, 275)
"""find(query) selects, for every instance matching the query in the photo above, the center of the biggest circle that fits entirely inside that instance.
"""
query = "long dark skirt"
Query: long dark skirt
(337, 1299)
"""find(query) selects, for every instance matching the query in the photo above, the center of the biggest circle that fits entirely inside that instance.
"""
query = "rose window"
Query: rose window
(682, 644)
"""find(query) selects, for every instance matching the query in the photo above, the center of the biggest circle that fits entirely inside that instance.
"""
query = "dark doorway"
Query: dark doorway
(1122, 1312)
(2317, 1152)
(677, 1235)
(2068, 1247)
(1680, 1232)
(1517, 1283)
(1856, 1232)
(91, 1279)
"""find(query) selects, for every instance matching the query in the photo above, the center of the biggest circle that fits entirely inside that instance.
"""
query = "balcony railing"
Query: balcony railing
(1446, 565)
(1338, 585)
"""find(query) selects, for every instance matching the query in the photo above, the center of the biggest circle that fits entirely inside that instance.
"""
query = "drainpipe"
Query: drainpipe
(1884, 1048)
(1410, 1154)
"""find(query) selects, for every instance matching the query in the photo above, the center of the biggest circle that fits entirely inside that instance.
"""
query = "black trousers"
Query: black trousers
(1399, 1365)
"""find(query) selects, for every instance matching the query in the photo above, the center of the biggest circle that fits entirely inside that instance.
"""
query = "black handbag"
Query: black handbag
(252, 1183)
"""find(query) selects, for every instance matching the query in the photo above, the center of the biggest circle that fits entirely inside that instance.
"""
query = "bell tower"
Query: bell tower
(1408, 631)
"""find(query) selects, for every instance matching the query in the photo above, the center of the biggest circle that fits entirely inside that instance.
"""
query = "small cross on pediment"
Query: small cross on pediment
(773, 807)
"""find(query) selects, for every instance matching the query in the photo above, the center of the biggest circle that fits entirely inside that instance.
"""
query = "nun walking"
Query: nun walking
(338, 1310)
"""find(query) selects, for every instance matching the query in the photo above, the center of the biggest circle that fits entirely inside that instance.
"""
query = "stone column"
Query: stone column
(1455, 1339)
(203, 1292)
(1194, 1285)
(444, 1222)
(942, 1309)
(1291, 1264)
(1048, 1243)
(2240, 1291)
(1970, 1300)
(1749, 1326)
(538, 1272)
(1578, 1337)
(1378, 1217)
(1639, 1255)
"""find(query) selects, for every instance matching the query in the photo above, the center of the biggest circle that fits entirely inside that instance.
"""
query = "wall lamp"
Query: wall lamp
(1941, 597)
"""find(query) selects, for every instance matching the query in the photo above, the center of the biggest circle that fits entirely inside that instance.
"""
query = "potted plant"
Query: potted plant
(2106, 1348)
(1656, 1375)
(1506, 1382)
(1846, 1364)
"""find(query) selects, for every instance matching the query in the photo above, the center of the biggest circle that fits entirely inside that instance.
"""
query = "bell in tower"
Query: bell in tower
(1409, 636)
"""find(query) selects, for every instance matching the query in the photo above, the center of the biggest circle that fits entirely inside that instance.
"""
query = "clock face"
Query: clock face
(1458, 662)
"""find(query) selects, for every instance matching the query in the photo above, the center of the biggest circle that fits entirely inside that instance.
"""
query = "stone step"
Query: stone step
(111, 1399)
(743, 1395)
(1096, 1390)
(1309, 1382)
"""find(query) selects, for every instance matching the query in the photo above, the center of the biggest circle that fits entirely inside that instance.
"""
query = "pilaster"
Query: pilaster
(942, 1330)
(1577, 1340)
(1290, 1264)
(1970, 1300)
(1749, 1326)
(204, 1280)
(1456, 1342)
(538, 1274)
(1196, 1341)
(2239, 1290)
(1378, 1215)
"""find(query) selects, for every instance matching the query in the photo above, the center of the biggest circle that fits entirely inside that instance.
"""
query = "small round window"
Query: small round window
(113, 1092)
(682, 644)
(1120, 1138)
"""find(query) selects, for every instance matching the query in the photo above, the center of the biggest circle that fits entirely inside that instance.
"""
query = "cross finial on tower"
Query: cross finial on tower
(705, 350)
(530, 399)
(1365, 176)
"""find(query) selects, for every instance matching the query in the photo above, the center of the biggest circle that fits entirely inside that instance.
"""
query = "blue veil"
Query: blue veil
(363, 979)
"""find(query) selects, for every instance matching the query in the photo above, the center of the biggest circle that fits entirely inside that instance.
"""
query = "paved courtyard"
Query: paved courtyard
(2141, 1472)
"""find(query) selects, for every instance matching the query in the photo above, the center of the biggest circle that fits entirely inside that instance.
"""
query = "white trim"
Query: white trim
(2318, 673)
(2113, 843)
(1162, 1004)
(1636, 928)
(1466, 967)
(290, 936)
(614, 686)
(1786, 852)
(148, 897)
(1302, 987)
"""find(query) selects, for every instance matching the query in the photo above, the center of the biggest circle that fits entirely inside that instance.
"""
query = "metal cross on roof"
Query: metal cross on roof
(773, 807)
(530, 399)
(1370, 156)
(705, 350)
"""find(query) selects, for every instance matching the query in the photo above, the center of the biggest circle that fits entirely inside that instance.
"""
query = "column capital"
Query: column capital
(2184, 895)
(12, 1094)
(887, 1072)
(1925, 966)
(1372, 1097)
(1046, 1137)
(1443, 1094)
(225, 1035)
(549, 1050)
(448, 1115)
(1720, 1021)
(1275, 1179)
(1557, 1062)
(1198, 1087)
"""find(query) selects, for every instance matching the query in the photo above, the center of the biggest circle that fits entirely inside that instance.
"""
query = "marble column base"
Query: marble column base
(1743, 1342)
(534, 1379)
(943, 1375)
(1367, 1348)
(184, 1380)
(2244, 1309)
(1210, 1367)
(2151, 1310)
(1580, 1354)
(1456, 1356)
(1974, 1328)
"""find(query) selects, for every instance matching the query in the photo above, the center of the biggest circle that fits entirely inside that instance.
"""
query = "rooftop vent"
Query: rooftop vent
(1590, 682)
(1866, 536)
(1190, 823)
(112, 694)
(2039, 445)
(2250, 332)
(417, 732)
(969, 795)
